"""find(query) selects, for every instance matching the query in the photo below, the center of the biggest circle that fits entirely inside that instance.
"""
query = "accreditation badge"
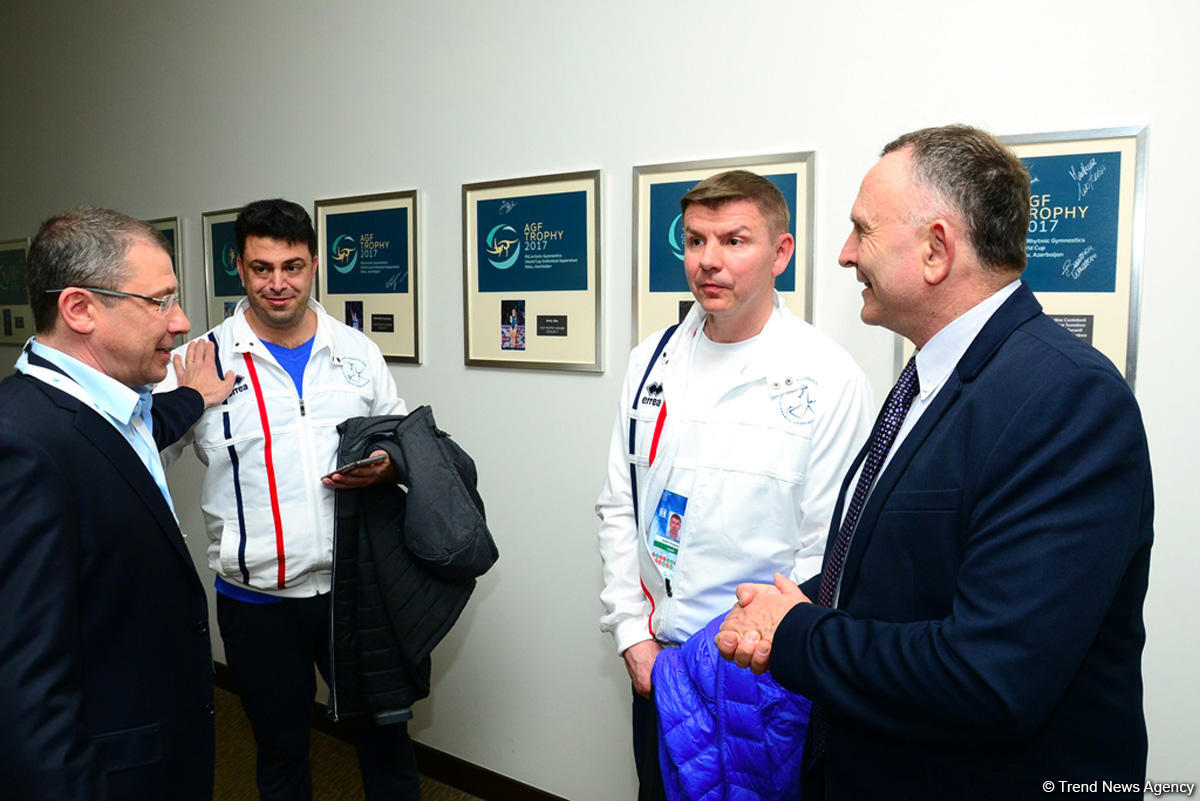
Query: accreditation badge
(666, 531)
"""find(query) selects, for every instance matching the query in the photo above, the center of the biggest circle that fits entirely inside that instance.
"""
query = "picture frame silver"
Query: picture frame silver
(1107, 318)
(16, 315)
(653, 310)
(220, 267)
(547, 313)
(375, 275)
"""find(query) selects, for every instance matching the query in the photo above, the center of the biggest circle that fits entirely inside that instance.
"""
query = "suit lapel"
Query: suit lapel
(1018, 309)
(124, 460)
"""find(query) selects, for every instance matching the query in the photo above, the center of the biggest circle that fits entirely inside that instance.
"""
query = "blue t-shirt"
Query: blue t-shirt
(294, 360)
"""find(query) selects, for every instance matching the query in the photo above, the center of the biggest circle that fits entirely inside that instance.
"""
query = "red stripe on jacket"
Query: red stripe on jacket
(270, 463)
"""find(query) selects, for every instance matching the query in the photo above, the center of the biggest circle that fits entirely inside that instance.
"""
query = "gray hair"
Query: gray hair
(83, 247)
(981, 180)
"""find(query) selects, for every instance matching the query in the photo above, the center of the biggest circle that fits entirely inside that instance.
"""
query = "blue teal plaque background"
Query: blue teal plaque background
(225, 279)
(366, 252)
(533, 243)
(666, 234)
(1072, 242)
(169, 235)
(12, 278)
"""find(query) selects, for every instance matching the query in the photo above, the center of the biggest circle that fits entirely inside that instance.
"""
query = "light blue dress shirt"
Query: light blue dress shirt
(126, 409)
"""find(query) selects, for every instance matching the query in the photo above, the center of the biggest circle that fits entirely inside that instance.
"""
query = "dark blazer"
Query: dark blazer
(105, 665)
(989, 631)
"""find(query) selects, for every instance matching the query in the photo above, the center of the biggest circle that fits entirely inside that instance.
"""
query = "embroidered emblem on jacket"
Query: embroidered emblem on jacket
(800, 407)
(355, 371)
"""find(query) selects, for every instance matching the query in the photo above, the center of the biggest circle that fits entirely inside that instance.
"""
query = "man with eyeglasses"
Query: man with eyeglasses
(268, 497)
(105, 663)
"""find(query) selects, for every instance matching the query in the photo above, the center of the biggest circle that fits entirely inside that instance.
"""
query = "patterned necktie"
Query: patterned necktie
(894, 412)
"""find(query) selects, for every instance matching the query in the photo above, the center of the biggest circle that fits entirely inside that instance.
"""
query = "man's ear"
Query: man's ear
(241, 270)
(77, 308)
(937, 254)
(785, 245)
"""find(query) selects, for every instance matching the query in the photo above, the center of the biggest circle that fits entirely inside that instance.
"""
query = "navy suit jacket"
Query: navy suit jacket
(105, 663)
(989, 631)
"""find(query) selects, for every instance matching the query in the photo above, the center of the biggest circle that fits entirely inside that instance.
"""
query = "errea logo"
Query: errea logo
(649, 397)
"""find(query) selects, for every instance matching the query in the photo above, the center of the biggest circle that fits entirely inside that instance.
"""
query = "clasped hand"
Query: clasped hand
(747, 632)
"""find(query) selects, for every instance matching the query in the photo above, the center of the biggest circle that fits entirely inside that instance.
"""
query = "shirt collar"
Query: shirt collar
(246, 340)
(946, 347)
(106, 393)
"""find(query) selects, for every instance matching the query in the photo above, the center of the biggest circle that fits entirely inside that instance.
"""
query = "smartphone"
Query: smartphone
(376, 459)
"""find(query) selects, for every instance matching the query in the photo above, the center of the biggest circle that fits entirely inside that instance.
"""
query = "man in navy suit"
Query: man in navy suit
(982, 632)
(105, 667)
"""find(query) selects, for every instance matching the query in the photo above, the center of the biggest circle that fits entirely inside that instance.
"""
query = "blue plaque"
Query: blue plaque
(366, 252)
(1073, 215)
(533, 243)
(666, 234)
(169, 235)
(12, 277)
(225, 280)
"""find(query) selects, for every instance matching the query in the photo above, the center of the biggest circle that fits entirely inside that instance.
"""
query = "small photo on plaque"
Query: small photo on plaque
(229, 307)
(354, 314)
(512, 325)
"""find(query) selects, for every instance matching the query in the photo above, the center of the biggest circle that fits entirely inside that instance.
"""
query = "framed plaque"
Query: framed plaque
(223, 286)
(1086, 229)
(660, 289)
(531, 272)
(367, 271)
(14, 296)
(170, 229)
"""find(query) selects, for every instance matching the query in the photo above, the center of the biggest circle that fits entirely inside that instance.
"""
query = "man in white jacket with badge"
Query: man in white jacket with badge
(733, 433)
(268, 497)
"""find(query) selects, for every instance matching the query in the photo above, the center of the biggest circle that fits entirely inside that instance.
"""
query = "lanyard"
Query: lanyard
(662, 416)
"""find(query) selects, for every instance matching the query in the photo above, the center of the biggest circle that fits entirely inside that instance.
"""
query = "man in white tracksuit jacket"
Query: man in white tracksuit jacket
(268, 500)
(742, 423)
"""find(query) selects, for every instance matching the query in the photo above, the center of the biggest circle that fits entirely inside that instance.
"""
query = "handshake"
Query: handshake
(746, 635)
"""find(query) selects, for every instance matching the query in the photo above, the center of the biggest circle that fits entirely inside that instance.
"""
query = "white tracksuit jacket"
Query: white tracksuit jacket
(270, 519)
(770, 459)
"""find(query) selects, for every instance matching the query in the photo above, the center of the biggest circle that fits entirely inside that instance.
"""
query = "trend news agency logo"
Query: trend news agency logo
(675, 236)
(229, 258)
(345, 254)
(505, 250)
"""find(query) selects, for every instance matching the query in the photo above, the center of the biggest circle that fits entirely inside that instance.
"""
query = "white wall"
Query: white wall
(168, 107)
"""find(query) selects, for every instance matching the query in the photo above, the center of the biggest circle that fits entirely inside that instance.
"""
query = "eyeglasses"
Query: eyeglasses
(165, 303)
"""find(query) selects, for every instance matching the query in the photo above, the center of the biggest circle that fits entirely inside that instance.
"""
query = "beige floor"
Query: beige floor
(334, 766)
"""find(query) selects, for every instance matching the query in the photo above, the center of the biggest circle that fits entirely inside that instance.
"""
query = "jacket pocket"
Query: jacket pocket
(917, 547)
(252, 556)
(129, 748)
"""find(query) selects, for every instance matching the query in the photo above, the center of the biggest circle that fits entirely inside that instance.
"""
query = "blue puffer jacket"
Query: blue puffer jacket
(724, 733)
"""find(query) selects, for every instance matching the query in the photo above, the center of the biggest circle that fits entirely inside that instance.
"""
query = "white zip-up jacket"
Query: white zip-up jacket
(270, 519)
(761, 483)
